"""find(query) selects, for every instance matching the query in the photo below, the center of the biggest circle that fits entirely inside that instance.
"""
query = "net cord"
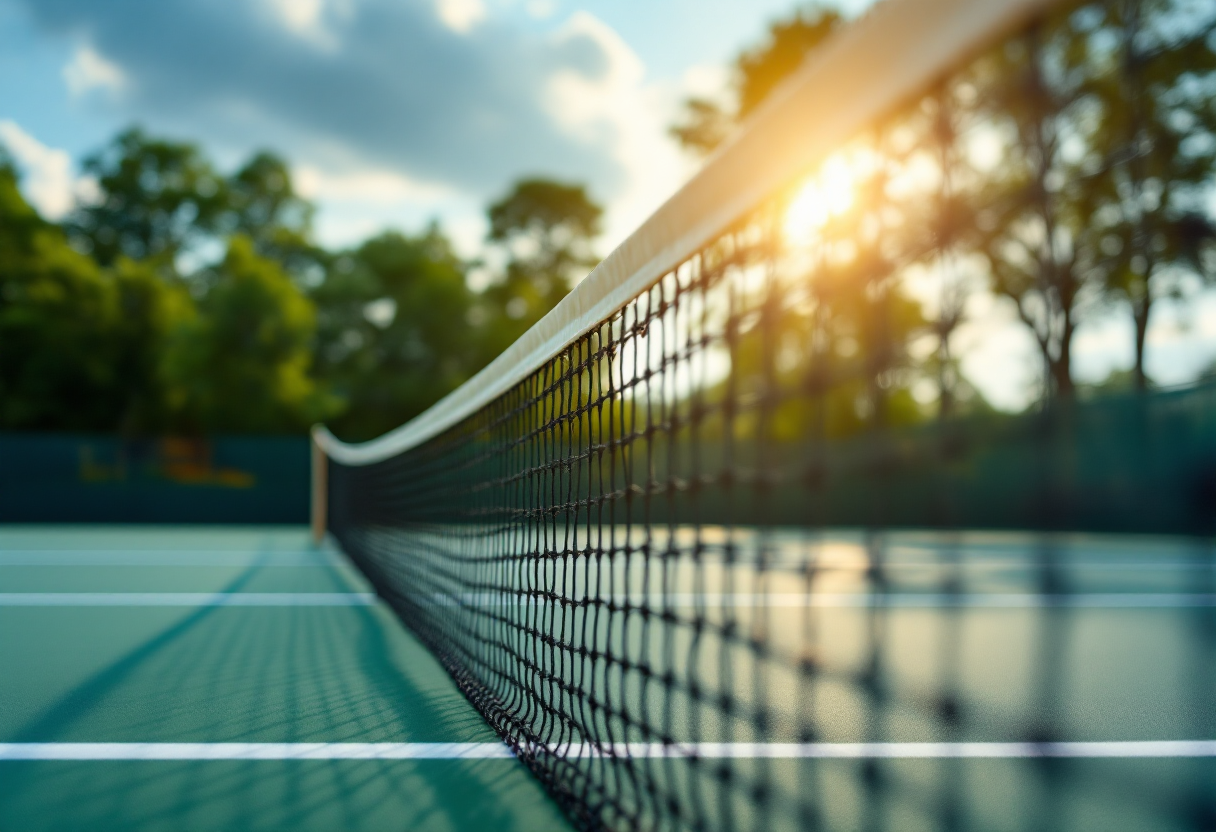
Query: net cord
(894, 52)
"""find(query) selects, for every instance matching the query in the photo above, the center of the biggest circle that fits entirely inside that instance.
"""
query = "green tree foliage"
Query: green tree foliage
(545, 229)
(858, 363)
(156, 198)
(1157, 139)
(394, 330)
(237, 346)
(399, 326)
(1101, 189)
(1106, 131)
(57, 318)
(1042, 250)
(150, 310)
(1109, 139)
(242, 363)
(843, 327)
(762, 69)
(757, 72)
(705, 124)
(262, 204)
(112, 340)
(264, 201)
(79, 344)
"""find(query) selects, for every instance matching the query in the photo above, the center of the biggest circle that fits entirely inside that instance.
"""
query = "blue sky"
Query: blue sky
(391, 111)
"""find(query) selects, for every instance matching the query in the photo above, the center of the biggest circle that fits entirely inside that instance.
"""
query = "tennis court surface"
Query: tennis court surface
(133, 655)
(175, 644)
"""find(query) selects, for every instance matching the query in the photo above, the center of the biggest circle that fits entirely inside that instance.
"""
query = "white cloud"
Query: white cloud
(460, 15)
(619, 110)
(541, 9)
(299, 16)
(355, 203)
(401, 92)
(375, 186)
(401, 95)
(47, 180)
(306, 19)
(88, 71)
(706, 80)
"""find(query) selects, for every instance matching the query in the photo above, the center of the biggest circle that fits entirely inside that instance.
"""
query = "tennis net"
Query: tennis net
(730, 541)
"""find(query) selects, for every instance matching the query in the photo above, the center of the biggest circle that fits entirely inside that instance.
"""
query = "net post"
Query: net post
(320, 488)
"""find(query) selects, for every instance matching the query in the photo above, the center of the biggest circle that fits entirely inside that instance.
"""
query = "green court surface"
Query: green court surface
(998, 680)
(231, 679)
(124, 635)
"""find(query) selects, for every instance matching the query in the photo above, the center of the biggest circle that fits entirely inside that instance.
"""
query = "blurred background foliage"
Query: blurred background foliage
(1099, 200)
(182, 299)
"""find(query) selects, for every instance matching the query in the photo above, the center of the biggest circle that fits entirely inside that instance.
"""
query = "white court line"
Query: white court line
(75, 558)
(217, 557)
(168, 551)
(187, 599)
(705, 750)
(254, 751)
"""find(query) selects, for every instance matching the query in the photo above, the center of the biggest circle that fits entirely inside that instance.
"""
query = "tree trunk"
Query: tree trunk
(1061, 366)
(1140, 312)
(945, 389)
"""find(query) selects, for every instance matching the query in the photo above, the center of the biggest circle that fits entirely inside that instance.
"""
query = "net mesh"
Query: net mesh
(722, 562)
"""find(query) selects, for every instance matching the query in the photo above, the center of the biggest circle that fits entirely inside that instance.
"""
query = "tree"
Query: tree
(1035, 217)
(264, 206)
(160, 198)
(948, 220)
(395, 335)
(863, 318)
(156, 198)
(757, 72)
(546, 229)
(150, 310)
(264, 201)
(1158, 140)
(1102, 187)
(57, 317)
(242, 363)
(79, 344)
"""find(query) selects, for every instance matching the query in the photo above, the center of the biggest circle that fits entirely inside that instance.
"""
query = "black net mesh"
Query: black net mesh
(753, 554)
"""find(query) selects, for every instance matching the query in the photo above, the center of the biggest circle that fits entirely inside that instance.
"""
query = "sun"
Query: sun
(827, 194)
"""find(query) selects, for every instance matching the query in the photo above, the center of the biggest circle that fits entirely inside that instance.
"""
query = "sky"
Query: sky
(396, 112)
(391, 111)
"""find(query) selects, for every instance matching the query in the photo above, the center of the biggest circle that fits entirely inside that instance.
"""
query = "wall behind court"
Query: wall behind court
(80, 478)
